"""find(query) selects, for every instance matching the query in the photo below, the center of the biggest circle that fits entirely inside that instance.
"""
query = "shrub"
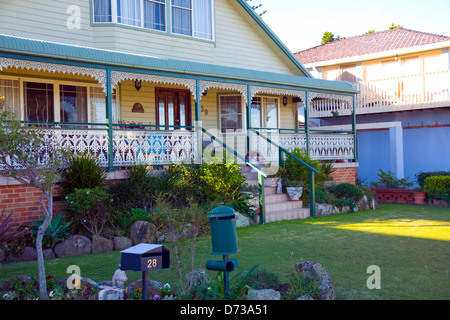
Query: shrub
(263, 279)
(6, 233)
(438, 187)
(348, 191)
(387, 180)
(421, 176)
(301, 285)
(222, 181)
(83, 171)
(89, 208)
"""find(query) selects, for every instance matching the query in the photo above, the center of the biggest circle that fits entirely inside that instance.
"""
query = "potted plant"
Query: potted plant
(294, 189)
(419, 196)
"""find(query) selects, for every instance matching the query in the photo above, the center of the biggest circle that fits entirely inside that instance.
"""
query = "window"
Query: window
(264, 112)
(230, 114)
(39, 104)
(193, 18)
(10, 90)
(149, 14)
(154, 15)
(73, 104)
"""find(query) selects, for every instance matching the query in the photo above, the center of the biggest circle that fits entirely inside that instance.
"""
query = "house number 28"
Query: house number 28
(152, 263)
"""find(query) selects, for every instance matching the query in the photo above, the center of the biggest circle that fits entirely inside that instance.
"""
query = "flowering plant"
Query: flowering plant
(2, 102)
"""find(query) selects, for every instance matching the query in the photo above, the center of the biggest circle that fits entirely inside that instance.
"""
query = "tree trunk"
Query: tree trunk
(48, 213)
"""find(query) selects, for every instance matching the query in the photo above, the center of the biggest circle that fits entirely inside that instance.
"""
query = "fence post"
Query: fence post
(109, 120)
(312, 194)
(262, 213)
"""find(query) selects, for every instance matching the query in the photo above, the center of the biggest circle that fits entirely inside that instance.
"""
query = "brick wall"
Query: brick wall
(24, 201)
(344, 172)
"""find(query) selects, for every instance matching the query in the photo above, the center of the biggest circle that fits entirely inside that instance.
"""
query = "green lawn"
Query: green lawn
(410, 244)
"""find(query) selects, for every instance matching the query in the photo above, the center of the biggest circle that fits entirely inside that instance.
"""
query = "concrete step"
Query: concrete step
(287, 215)
(283, 206)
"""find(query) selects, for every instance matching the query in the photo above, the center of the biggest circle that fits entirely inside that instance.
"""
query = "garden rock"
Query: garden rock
(198, 277)
(264, 294)
(109, 293)
(241, 220)
(363, 204)
(313, 269)
(75, 245)
(121, 243)
(142, 232)
(154, 287)
(100, 244)
(325, 209)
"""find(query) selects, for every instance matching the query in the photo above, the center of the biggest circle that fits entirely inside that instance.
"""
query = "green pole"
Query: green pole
(109, 120)
(262, 213)
(198, 125)
(249, 114)
(312, 194)
(307, 121)
(355, 158)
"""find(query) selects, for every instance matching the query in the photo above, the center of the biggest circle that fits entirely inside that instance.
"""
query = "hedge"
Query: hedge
(421, 176)
(438, 187)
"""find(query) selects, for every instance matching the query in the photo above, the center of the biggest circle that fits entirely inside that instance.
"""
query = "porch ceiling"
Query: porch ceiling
(115, 60)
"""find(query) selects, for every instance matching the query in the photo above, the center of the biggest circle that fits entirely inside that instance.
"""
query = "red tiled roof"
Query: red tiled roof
(368, 43)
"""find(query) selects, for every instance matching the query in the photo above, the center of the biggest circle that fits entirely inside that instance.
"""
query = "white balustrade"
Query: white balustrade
(129, 147)
(331, 146)
(409, 92)
(153, 147)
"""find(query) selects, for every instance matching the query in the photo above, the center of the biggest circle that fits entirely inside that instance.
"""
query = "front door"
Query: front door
(173, 108)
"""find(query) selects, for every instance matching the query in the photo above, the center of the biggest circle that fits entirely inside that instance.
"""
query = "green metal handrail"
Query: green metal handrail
(311, 171)
(261, 176)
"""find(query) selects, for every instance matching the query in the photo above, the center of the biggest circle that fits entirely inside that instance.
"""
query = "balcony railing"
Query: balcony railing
(154, 145)
(419, 91)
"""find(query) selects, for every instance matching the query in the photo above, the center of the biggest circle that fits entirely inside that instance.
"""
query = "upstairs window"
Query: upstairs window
(193, 18)
(149, 14)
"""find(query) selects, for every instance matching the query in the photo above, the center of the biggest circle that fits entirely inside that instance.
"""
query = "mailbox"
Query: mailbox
(223, 231)
(145, 257)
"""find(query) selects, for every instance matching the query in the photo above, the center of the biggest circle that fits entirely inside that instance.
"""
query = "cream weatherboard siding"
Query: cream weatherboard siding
(239, 41)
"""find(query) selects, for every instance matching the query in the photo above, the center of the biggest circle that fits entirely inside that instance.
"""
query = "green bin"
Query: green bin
(223, 231)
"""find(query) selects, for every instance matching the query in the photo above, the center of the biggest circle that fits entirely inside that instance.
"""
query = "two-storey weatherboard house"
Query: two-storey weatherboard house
(403, 104)
(154, 81)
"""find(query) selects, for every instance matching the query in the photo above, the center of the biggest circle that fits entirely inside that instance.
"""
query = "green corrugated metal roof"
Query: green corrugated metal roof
(47, 49)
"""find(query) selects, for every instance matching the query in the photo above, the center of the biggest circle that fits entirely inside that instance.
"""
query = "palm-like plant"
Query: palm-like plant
(5, 227)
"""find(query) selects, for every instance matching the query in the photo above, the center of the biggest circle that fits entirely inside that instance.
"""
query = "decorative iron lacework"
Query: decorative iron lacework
(313, 95)
(242, 88)
(331, 146)
(153, 147)
(278, 91)
(97, 74)
(118, 76)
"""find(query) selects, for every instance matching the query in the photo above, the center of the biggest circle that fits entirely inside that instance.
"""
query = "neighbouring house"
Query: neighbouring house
(403, 104)
(154, 81)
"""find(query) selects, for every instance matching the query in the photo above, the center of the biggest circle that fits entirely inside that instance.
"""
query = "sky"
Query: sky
(300, 24)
